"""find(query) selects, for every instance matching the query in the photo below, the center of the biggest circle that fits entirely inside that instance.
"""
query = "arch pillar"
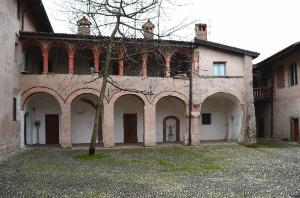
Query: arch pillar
(195, 125)
(144, 57)
(71, 62)
(121, 63)
(149, 125)
(168, 55)
(108, 125)
(65, 138)
(96, 54)
(45, 62)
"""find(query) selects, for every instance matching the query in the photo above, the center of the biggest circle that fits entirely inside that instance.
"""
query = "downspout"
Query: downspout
(272, 104)
(190, 105)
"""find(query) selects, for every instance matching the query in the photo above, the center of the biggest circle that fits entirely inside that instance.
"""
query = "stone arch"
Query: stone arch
(59, 44)
(81, 91)
(119, 94)
(174, 94)
(232, 93)
(171, 106)
(177, 128)
(33, 42)
(34, 90)
(129, 118)
(223, 117)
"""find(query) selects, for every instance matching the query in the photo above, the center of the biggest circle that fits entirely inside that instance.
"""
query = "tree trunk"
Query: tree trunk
(99, 109)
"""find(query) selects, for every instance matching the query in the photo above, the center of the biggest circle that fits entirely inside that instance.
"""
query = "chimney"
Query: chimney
(201, 31)
(84, 26)
(148, 29)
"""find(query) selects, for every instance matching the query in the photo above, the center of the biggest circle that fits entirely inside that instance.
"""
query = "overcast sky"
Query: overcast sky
(265, 26)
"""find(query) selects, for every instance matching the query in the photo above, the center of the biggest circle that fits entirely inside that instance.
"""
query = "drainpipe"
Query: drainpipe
(190, 106)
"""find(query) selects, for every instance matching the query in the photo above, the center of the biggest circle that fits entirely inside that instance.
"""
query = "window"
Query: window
(293, 74)
(206, 118)
(219, 69)
(15, 109)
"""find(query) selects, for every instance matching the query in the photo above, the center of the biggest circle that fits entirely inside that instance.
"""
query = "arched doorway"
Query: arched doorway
(170, 119)
(171, 129)
(83, 109)
(58, 60)
(221, 117)
(129, 119)
(42, 117)
(33, 60)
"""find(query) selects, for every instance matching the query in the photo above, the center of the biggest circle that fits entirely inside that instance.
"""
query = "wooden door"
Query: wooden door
(295, 130)
(130, 128)
(52, 128)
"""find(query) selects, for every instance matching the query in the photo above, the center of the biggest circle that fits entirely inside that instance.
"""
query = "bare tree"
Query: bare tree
(122, 20)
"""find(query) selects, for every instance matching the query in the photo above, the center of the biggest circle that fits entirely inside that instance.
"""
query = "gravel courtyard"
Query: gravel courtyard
(219, 170)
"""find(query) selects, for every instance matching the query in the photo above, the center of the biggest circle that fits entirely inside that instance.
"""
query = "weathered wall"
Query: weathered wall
(286, 100)
(10, 59)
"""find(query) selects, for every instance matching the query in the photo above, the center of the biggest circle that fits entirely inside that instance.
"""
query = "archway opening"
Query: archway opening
(58, 60)
(83, 110)
(33, 60)
(180, 65)
(170, 119)
(132, 64)
(129, 119)
(156, 64)
(42, 118)
(221, 118)
(83, 61)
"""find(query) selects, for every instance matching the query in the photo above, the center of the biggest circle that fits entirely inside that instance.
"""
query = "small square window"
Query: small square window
(206, 118)
(219, 69)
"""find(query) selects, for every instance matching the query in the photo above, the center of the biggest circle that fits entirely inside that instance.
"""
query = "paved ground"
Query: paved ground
(271, 170)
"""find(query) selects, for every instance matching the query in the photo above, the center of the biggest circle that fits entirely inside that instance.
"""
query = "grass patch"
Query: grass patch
(206, 166)
(86, 157)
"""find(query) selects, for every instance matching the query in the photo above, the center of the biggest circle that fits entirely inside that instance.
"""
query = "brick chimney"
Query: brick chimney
(84, 26)
(201, 31)
(148, 29)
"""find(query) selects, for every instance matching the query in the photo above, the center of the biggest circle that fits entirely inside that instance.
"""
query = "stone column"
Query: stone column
(108, 125)
(45, 62)
(65, 139)
(248, 133)
(149, 125)
(195, 126)
(121, 63)
(144, 57)
(71, 62)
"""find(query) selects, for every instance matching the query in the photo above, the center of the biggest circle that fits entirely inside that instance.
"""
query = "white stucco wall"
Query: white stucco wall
(43, 104)
(226, 119)
(169, 106)
(233, 63)
(82, 119)
(128, 104)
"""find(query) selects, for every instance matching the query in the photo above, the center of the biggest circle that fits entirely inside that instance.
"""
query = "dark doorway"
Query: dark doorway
(52, 128)
(130, 128)
(260, 128)
(295, 130)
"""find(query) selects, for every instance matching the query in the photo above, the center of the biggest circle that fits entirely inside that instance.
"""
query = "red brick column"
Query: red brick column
(96, 53)
(45, 62)
(168, 57)
(71, 62)
(121, 63)
(144, 57)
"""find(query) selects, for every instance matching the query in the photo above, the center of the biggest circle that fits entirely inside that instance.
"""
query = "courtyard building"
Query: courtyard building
(57, 81)
(276, 92)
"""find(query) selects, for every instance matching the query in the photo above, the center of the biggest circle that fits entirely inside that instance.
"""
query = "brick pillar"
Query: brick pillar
(96, 54)
(168, 56)
(71, 62)
(121, 63)
(195, 62)
(149, 125)
(144, 57)
(108, 125)
(65, 139)
(45, 62)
